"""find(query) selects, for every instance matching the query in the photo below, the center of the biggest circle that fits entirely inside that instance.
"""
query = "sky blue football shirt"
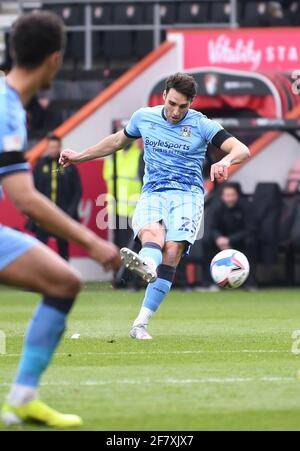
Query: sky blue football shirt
(173, 153)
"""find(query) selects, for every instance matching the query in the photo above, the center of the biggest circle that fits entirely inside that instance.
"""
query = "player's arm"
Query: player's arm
(236, 151)
(105, 147)
(20, 189)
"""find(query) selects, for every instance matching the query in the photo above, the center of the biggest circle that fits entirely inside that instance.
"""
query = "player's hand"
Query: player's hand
(68, 157)
(219, 170)
(106, 253)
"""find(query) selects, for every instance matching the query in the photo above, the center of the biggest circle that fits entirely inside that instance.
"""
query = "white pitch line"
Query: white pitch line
(208, 380)
(145, 352)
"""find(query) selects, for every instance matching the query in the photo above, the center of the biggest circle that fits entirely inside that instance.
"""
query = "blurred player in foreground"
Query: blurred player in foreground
(37, 40)
(168, 215)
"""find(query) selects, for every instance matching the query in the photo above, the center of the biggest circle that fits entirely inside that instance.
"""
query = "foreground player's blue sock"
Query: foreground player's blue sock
(153, 251)
(43, 336)
(156, 293)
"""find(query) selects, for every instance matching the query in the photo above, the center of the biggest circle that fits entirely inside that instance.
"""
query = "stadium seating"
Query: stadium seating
(267, 201)
(144, 39)
(71, 14)
(117, 44)
(128, 14)
(143, 43)
(168, 13)
(120, 44)
(293, 13)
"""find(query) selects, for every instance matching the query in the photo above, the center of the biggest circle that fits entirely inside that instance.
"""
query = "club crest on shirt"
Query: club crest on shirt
(186, 131)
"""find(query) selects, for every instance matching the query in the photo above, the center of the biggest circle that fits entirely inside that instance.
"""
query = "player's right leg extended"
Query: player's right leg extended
(31, 265)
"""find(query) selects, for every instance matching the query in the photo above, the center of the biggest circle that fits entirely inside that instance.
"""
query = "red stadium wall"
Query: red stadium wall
(251, 49)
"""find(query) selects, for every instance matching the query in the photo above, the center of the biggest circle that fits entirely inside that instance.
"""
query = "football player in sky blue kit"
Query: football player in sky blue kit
(37, 40)
(168, 215)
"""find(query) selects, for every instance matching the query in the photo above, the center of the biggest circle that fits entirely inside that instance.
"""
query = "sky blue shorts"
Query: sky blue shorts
(12, 245)
(180, 211)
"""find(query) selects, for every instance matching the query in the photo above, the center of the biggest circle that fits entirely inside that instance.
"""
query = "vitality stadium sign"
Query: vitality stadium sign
(255, 49)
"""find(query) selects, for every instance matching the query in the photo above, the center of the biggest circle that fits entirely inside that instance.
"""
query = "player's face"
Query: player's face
(53, 149)
(176, 106)
(230, 197)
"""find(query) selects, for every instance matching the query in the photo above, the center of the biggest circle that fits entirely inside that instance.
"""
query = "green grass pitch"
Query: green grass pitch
(218, 361)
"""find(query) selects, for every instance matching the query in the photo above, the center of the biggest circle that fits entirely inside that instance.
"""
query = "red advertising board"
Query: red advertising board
(253, 49)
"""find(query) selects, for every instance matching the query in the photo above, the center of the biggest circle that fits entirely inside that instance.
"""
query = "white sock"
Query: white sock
(21, 394)
(144, 316)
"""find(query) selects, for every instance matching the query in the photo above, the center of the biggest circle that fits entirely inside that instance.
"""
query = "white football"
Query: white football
(229, 268)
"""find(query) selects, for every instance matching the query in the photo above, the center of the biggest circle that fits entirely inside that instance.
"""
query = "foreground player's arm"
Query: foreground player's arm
(237, 153)
(105, 147)
(20, 189)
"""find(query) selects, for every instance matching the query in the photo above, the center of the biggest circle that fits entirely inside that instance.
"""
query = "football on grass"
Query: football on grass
(229, 268)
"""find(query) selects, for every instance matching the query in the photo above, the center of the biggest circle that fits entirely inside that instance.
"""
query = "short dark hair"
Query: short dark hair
(53, 137)
(35, 36)
(183, 83)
